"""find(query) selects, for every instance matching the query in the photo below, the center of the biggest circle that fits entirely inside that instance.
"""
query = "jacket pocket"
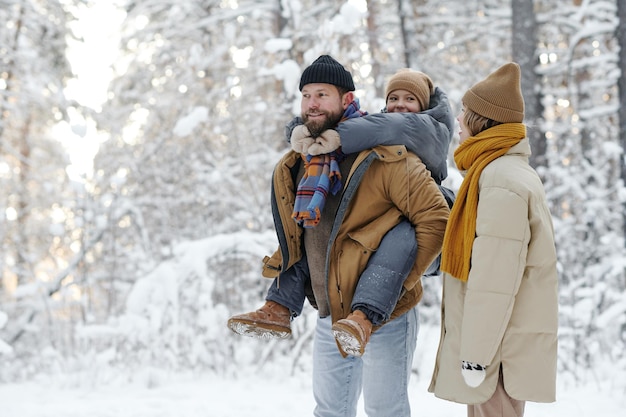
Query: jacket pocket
(272, 265)
(370, 235)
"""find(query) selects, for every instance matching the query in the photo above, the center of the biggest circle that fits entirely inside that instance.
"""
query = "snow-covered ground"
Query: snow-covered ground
(252, 395)
(267, 390)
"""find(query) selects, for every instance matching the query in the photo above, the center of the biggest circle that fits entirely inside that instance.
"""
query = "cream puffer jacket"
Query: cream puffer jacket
(506, 314)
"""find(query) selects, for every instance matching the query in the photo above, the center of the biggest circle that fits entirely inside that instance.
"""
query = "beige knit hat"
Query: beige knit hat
(415, 82)
(499, 96)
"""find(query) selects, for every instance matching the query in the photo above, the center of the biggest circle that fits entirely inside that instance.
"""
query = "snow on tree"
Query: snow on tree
(136, 266)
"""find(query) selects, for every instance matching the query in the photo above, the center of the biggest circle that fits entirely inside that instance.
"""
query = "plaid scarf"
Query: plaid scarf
(321, 176)
(473, 156)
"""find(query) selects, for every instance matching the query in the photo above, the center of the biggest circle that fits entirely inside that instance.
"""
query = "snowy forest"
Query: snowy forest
(138, 138)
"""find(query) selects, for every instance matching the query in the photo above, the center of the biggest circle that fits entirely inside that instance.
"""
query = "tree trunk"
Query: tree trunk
(372, 35)
(523, 45)
(621, 83)
(22, 263)
(404, 33)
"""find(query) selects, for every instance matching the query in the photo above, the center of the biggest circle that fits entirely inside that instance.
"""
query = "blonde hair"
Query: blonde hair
(477, 123)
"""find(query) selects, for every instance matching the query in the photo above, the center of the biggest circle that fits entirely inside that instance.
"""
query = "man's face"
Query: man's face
(322, 107)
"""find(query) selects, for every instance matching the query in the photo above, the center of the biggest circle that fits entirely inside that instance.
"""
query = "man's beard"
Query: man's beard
(316, 128)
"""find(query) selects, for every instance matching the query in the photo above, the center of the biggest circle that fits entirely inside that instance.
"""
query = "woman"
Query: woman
(498, 344)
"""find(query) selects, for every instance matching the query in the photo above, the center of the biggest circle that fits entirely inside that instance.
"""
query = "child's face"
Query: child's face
(402, 101)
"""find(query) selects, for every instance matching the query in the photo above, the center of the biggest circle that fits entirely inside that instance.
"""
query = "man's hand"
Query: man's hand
(473, 373)
(327, 142)
(301, 139)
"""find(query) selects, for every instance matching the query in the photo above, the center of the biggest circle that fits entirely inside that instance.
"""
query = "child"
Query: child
(427, 134)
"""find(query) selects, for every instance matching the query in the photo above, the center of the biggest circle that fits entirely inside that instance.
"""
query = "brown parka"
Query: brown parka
(385, 184)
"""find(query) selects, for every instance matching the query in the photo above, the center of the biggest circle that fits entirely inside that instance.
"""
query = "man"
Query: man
(343, 205)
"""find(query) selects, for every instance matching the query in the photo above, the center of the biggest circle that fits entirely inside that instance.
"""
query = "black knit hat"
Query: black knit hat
(327, 71)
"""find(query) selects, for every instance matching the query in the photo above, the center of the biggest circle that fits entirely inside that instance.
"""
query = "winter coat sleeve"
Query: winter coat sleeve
(426, 134)
(291, 125)
(497, 267)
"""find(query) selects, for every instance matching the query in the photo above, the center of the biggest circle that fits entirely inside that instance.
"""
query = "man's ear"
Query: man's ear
(347, 99)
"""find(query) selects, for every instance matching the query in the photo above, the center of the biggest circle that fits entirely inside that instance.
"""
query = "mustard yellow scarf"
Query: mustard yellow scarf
(473, 155)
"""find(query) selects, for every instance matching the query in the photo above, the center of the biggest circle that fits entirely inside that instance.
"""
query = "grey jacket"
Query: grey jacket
(427, 134)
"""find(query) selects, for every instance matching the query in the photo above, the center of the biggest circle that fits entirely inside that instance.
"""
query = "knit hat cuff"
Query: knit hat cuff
(415, 82)
(491, 111)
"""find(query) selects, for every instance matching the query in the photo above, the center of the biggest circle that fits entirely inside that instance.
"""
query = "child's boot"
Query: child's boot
(353, 333)
(270, 321)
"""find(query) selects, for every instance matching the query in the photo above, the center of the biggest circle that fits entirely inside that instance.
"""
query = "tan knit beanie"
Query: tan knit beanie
(499, 96)
(415, 82)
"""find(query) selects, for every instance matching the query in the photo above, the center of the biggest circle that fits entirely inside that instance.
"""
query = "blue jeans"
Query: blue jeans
(382, 373)
(380, 285)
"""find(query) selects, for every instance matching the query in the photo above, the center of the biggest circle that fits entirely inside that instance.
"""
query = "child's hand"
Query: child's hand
(473, 373)
(301, 139)
(327, 142)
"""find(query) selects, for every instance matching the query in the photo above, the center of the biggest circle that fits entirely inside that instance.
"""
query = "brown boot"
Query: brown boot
(270, 321)
(353, 333)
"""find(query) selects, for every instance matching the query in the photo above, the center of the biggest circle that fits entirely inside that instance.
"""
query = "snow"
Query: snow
(187, 124)
(269, 392)
(252, 388)
(287, 71)
(278, 44)
(5, 349)
(346, 21)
